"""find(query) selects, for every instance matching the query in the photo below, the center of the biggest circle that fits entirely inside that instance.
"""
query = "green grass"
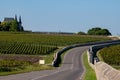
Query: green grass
(13, 67)
(89, 73)
(33, 67)
(28, 69)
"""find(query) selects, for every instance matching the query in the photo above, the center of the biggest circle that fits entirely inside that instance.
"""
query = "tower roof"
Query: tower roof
(16, 17)
(20, 20)
(8, 19)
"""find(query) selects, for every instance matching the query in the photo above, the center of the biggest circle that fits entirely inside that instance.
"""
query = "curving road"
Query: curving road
(71, 69)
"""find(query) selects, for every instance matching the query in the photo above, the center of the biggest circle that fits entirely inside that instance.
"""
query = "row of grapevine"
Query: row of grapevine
(111, 55)
(49, 39)
(25, 48)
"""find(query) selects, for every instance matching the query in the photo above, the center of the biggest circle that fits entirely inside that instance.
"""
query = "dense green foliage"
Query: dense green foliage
(111, 55)
(98, 31)
(10, 26)
(82, 33)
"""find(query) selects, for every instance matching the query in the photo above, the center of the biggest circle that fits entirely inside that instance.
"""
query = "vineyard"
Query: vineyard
(39, 44)
(25, 48)
(49, 39)
(111, 55)
(18, 47)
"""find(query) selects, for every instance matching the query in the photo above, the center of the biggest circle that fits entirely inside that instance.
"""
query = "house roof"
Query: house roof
(8, 19)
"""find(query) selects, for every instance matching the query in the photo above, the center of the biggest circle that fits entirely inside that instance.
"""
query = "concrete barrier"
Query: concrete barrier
(104, 71)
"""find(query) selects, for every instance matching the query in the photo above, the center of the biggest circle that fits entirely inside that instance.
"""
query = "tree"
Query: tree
(98, 31)
(11, 24)
(82, 33)
(5, 26)
(94, 31)
(14, 26)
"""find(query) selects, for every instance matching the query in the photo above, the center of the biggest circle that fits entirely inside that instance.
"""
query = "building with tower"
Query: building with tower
(12, 24)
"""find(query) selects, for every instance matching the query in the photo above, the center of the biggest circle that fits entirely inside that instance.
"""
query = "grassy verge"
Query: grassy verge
(32, 67)
(89, 73)
(27, 69)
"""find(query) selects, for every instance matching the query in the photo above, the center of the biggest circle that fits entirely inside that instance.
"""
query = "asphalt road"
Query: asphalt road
(71, 69)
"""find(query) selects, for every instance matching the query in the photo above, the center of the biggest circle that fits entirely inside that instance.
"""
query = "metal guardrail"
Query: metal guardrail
(95, 47)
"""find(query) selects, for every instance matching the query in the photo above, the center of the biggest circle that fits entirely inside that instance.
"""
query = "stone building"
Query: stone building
(19, 21)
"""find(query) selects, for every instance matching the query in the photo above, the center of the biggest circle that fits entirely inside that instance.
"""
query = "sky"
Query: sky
(64, 15)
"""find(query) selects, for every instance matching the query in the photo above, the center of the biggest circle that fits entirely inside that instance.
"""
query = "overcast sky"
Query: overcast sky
(64, 15)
